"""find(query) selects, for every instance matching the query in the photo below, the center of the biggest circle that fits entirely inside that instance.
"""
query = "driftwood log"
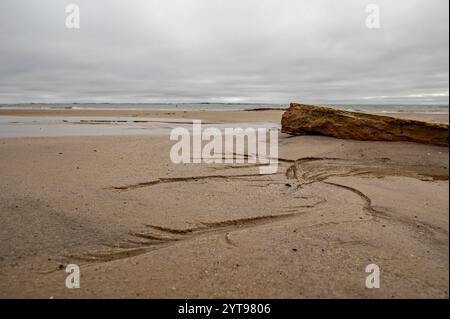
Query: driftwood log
(301, 119)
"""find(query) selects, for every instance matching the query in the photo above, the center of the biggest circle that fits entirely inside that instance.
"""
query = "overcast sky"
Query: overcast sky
(271, 51)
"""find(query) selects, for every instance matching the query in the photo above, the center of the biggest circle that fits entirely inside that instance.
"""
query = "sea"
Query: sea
(378, 108)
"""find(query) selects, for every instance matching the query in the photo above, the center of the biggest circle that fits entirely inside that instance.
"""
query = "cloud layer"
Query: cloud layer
(270, 51)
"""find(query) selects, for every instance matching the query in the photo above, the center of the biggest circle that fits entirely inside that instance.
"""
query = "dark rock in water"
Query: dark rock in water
(301, 119)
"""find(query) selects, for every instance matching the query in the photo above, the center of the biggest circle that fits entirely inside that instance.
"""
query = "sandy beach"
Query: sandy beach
(141, 226)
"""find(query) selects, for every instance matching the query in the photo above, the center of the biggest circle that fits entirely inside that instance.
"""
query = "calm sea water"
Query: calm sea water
(44, 126)
(224, 107)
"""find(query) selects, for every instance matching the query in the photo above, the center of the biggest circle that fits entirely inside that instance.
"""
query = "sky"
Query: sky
(245, 51)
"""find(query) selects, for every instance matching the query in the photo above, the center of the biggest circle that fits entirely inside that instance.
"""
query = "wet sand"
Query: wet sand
(140, 226)
(218, 116)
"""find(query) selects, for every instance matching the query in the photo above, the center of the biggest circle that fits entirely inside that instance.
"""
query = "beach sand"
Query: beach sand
(140, 226)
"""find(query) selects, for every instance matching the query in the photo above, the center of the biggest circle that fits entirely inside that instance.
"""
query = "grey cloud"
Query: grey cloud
(271, 51)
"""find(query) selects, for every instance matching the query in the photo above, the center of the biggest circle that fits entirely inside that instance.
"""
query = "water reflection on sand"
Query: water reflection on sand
(45, 126)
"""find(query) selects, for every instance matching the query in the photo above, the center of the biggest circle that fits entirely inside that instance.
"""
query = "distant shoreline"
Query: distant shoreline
(223, 107)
